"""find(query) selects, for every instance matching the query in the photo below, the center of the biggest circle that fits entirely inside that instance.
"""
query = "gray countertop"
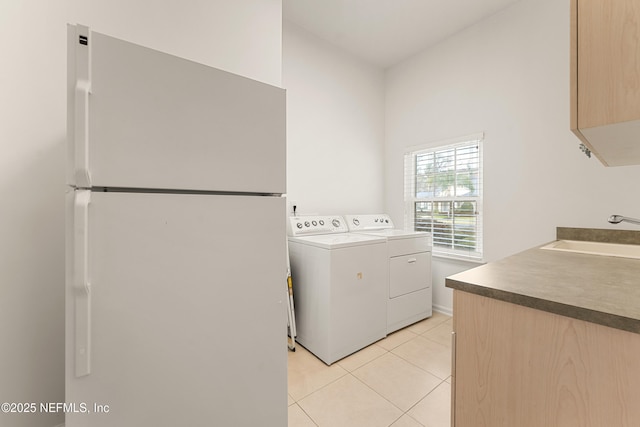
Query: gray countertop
(598, 289)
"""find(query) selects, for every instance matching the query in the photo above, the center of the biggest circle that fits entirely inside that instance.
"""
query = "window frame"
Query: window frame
(411, 199)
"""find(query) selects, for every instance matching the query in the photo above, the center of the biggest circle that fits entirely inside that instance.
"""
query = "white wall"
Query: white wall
(335, 127)
(509, 77)
(241, 37)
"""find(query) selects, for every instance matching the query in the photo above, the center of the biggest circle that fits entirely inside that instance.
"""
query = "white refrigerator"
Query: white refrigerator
(176, 257)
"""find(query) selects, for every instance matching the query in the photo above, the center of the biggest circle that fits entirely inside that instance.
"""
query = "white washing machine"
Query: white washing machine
(339, 286)
(409, 295)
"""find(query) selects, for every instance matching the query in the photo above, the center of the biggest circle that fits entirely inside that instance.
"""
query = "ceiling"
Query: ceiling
(385, 32)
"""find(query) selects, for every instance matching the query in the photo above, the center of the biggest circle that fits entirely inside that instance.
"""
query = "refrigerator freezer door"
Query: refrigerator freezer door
(187, 314)
(159, 121)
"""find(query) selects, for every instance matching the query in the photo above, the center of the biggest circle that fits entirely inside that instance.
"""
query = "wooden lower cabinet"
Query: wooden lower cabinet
(517, 366)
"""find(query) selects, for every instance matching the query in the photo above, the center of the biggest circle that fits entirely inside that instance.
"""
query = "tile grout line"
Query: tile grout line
(396, 406)
(384, 353)
(307, 414)
(426, 395)
(322, 387)
(393, 404)
(420, 367)
(347, 372)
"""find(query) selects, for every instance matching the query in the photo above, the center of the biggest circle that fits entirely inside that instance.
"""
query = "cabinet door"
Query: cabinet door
(608, 50)
(605, 79)
(517, 366)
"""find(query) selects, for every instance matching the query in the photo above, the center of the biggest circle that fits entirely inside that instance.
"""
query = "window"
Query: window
(443, 195)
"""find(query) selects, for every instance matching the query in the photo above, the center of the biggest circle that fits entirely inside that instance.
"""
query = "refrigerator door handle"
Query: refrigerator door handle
(82, 91)
(82, 288)
(81, 132)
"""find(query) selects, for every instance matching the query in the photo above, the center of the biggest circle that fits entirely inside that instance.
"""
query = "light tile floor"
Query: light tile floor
(403, 380)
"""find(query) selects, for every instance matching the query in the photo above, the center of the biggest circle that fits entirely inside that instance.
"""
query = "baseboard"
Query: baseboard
(59, 425)
(443, 310)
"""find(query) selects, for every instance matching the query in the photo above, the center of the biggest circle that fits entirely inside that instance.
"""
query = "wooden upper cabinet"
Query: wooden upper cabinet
(605, 78)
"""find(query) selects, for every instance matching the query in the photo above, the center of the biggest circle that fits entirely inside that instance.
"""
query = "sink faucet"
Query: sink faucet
(617, 219)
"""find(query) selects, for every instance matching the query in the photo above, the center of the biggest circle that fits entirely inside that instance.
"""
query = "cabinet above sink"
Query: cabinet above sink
(605, 78)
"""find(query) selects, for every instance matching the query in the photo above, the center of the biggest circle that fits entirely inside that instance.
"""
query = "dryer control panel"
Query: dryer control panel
(368, 222)
(307, 225)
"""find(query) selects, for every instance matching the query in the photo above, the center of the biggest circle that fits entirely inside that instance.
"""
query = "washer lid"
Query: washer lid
(336, 241)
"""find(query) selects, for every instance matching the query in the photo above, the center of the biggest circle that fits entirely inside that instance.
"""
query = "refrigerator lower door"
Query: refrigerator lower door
(186, 320)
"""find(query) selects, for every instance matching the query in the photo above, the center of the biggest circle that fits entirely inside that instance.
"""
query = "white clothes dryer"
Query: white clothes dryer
(409, 295)
(340, 286)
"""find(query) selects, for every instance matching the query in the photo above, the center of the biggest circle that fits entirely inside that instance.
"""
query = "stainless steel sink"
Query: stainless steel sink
(595, 248)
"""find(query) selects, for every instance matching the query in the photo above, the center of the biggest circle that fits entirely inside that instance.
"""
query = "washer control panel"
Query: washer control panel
(368, 222)
(306, 225)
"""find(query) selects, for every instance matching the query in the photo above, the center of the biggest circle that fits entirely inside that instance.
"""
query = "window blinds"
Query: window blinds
(443, 195)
